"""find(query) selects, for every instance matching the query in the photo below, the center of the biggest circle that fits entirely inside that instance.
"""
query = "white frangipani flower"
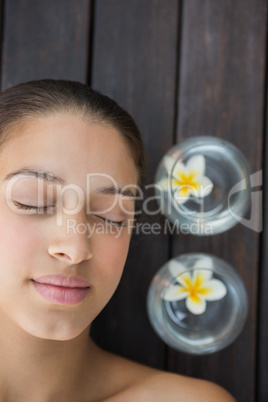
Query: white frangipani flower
(186, 180)
(197, 288)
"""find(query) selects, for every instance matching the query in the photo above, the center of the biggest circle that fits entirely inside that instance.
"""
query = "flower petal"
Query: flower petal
(176, 268)
(204, 187)
(163, 185)
(182, 194)
(196, 165)
(200, 277)
(175, 292)
(166, 184)
(169, 163)
(213, 290)
(205, 263)
(180, 171)
(196, 304)
(185, 280)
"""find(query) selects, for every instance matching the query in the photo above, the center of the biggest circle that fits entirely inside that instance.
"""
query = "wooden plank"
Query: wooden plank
(262, 368)
(1, 30)
(221, 94)
(45, 39)
(134, 62)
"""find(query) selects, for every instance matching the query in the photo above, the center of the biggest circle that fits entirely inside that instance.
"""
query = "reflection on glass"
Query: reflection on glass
(197, 303)
(196, 182)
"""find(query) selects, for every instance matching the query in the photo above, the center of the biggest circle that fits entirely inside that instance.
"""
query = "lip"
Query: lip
(62, 289)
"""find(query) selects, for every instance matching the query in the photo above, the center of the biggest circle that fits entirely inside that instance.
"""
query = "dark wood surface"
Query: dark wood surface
(222, 76)
(45, 39)
(182, 69)
(262, 323)
(262, 367)
(137, 67)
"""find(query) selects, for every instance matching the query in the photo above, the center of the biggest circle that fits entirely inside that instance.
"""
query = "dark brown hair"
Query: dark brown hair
(46, 97)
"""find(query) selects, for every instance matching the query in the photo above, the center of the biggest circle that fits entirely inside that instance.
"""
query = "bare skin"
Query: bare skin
(79, 370)
(46, 353)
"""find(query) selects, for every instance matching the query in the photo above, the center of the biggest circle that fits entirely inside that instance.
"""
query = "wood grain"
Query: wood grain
(262, 347)
(45, 39)
(134, 62)
(137, 52)
(222, 75)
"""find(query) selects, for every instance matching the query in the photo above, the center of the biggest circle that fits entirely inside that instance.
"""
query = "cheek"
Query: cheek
(118, 249)
(17, 237)
(112, 253)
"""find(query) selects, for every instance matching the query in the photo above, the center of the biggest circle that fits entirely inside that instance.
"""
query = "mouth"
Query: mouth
(60, 289)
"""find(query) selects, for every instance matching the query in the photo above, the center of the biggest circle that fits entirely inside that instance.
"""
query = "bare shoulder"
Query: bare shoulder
(174, 387)
(140, 383)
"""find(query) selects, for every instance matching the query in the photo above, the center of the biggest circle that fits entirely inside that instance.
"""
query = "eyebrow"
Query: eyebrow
(46, 176)
(51, 178)
(115, 190)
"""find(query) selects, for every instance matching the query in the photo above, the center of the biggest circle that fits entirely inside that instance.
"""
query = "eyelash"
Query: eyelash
(113, 223)
(45, 208)
(32, 207)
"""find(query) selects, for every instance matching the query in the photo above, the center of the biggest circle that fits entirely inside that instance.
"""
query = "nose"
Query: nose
(70, 242)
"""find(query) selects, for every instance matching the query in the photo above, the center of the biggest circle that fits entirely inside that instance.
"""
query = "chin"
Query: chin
(55, 333)
(58, 337)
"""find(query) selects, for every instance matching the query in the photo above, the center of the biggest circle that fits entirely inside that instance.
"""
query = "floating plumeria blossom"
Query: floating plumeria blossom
(187, 179)
(197, 288)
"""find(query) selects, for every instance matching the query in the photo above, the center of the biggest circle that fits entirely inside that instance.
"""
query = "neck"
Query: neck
(36, 367)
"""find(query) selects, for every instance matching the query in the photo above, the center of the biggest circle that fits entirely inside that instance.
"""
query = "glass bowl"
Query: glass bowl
(197, 303)
(203, 185)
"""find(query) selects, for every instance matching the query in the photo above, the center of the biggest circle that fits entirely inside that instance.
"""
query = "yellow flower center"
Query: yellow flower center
(196, 287)
(186, 181)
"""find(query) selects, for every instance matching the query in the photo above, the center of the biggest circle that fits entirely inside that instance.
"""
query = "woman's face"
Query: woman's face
(65, 224)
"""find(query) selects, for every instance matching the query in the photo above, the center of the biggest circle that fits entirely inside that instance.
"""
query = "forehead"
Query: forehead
(71, 148)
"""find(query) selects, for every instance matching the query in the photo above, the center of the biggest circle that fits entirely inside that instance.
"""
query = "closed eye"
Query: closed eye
(39, 209)
(111, 222)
